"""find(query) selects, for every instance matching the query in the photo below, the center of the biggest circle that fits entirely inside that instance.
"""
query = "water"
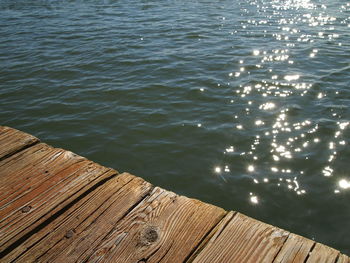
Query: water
(243, 104)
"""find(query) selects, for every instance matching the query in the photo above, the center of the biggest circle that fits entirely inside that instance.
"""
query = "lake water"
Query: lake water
(242, 104)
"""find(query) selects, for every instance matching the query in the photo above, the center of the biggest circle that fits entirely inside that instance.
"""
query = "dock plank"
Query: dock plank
(57, 206)
(34, 188)
(12, 141)
(343, 259)
(28, 169)
(323, 254)
(164, 227)
(74, 235)
(243, 239)
(295, 249)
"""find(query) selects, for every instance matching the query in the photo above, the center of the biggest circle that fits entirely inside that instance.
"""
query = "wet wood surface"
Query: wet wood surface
(56, 206)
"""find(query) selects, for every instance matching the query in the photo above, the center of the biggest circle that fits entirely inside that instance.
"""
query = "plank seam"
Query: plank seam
(296, 254)
(8, 160)
(149, 192)
(279, 250)
(103, 211)
(19, 150)
(205, 240)
(54, 216)
(43, 254)
(47, 190)
(225, 225)
(337, 257)
(308, 255)
(39, 183)
(43, 237)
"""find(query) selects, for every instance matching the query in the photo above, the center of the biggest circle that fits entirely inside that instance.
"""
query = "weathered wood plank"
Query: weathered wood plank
(243, 239)
(215, 231)
(26, 170)
(343, 259)
(12, 141)
(38, 182)
(16, 158)
(322, 254)
(164, 227)
(56, 206)
(295, 249)
(81, 228)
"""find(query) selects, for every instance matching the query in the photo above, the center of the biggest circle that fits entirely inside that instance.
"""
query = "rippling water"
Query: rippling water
(243, 104)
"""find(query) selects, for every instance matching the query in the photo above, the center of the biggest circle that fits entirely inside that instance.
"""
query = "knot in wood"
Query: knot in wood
(149, 235)
(26, 209)
(69, 234)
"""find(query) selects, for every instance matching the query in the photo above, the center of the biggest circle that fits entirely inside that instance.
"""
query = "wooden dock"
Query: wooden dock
(56, 206)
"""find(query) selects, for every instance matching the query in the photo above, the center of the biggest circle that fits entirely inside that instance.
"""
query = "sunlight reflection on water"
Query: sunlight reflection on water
(282, 136)
(243, 104)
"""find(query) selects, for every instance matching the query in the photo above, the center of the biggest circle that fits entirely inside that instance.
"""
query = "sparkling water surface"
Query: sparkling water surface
(242, 104)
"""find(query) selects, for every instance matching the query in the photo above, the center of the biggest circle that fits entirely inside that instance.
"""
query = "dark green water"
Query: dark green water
(243, 104)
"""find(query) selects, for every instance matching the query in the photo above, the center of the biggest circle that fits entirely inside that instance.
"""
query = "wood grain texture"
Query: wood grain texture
(323, 254)
(56, 206)
(36, 183)
(74, 235)
(164, 227)
(12, 141)
(295, 249)
(343, 259)
(243, 239)
(26, 170)
(208, 237)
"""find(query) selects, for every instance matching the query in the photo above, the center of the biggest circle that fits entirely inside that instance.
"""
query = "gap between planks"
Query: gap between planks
(130, 239)
(13, 141)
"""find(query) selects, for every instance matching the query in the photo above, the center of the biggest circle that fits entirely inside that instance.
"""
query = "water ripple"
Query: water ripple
(241, 104)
